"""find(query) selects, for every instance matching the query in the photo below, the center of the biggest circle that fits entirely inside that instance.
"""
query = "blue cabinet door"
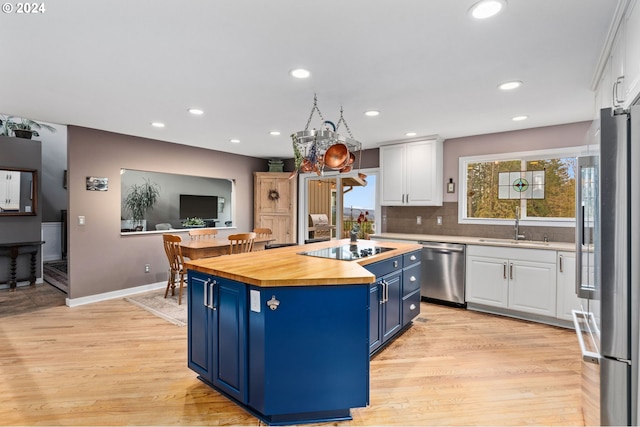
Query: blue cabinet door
(217, 348)
(229, 345)
(199, 334)
(392, 308)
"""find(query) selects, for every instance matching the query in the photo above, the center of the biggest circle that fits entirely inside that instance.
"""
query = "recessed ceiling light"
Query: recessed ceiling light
(487, 8)
(157, 125)
(372, 113)
(196, 111)
(235, 141)
(274, 133)
(410, 134)
(519, 118)
(514, 84)
(300, 73)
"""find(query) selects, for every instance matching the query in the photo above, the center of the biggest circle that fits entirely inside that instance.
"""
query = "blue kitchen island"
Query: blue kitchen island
(287, 333)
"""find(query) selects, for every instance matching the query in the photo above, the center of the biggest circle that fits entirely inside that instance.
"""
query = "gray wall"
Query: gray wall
(100, 258)
(401, 219)
(27, 154)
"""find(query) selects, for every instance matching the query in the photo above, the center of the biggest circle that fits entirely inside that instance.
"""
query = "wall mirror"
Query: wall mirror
(178, 197)
(18, 191)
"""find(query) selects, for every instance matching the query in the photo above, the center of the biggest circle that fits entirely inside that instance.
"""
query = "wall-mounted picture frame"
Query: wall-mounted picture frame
(97, 184)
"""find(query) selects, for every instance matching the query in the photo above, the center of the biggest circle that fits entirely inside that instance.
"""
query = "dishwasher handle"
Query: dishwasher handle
(443, 248)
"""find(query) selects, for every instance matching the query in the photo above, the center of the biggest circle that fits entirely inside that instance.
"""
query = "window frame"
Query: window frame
(554, 153)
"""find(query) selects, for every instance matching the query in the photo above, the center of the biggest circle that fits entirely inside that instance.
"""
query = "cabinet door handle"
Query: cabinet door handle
(211, 306)
(382, 290)
(511, 271)
(561, 268)
(386, 297)
(616, 101)
(504, 270)
(204, 288)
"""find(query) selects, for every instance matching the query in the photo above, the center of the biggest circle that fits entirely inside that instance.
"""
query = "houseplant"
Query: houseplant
(140, 198)
(193, 222)
(21, 127)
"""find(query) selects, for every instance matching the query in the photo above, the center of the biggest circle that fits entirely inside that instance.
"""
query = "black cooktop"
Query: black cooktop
(347, 252)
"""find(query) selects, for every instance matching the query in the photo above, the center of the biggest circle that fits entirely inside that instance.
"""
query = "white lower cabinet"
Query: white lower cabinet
(522, 280)
(567, 299)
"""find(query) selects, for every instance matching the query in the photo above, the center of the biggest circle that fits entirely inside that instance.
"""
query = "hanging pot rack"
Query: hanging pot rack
(318, 149)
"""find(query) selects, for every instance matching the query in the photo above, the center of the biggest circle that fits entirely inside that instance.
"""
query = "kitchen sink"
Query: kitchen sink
(514, 242)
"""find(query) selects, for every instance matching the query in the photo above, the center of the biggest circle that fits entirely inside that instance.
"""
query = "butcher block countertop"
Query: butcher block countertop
(286, 267)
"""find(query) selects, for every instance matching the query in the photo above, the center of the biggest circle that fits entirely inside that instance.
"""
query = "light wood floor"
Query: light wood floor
(112, 363)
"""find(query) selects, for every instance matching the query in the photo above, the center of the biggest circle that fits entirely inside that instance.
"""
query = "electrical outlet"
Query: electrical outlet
(147, 268)
(418, 220)
(439, 220)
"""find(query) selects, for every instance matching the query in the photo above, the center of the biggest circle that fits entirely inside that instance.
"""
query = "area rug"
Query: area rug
(168, 309)
(55, 273)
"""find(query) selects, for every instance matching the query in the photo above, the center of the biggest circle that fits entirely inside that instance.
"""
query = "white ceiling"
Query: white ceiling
(119, 65)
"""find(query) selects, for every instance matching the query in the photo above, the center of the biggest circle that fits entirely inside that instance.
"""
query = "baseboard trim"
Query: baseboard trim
(74, 302)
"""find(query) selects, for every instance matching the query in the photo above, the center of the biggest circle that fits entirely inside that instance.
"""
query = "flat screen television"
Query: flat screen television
(205, 207)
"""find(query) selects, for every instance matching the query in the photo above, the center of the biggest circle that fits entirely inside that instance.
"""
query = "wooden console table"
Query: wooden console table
(12, 250)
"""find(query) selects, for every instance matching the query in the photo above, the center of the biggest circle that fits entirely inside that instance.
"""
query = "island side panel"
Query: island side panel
(311, 353)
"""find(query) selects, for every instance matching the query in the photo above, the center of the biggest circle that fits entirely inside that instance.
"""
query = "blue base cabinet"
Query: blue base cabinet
(309, 354)
(394, 299)
(217, 347)
(288, 355)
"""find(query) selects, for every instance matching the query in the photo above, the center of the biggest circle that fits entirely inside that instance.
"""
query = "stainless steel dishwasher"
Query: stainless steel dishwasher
(443, 272)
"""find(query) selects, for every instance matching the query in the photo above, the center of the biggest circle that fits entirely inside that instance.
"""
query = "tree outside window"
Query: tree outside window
(482, 195)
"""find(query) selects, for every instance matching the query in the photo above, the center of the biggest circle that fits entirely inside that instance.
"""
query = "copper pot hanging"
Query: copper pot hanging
(336, 156)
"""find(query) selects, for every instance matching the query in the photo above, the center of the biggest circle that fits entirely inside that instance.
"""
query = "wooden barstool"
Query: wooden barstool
(176, 264)
(203, 233)
(241, 242)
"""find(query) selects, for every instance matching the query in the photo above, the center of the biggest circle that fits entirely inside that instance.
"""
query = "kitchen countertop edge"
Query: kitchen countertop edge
(286, 267)
(467, 240)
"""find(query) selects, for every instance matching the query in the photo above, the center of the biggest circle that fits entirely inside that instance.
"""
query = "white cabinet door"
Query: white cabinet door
(632, 53)
(618, 68)
(567, 299)
(424, 173)
(392, 173)
(9, 190)
(487, 281)
(411, 174)
(532, 287)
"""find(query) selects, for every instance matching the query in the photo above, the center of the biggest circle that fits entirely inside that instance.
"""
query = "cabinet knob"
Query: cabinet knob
(412, 279)
(413, 258)
(412, 307)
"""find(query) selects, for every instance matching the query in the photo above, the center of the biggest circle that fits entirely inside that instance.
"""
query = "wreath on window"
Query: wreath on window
(274, 195)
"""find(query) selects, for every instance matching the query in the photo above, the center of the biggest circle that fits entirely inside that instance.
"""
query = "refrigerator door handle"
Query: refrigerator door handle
(587, 356)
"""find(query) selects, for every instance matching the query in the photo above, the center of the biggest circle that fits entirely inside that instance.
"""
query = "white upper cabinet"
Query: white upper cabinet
(619, 84)
(411, 174)
(632, 54)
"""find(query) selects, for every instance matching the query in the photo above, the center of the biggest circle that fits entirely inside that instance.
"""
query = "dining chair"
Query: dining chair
(176, 264)
(203, 233)
(241, 242)
(263, 232)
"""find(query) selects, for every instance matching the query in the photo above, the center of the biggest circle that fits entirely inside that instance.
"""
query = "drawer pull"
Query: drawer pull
(412, 279)
(412, 307)
(413, 258)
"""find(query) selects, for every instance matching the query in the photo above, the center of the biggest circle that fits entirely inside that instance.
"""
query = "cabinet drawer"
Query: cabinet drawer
(410, 279)
(410, 307)
(382, 268)
(526, 254)
(410, 258)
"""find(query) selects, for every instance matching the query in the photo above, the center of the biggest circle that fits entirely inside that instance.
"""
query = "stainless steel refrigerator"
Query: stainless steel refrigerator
(608, 270)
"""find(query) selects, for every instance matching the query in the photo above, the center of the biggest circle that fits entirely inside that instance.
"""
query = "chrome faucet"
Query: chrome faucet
(517, 235)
